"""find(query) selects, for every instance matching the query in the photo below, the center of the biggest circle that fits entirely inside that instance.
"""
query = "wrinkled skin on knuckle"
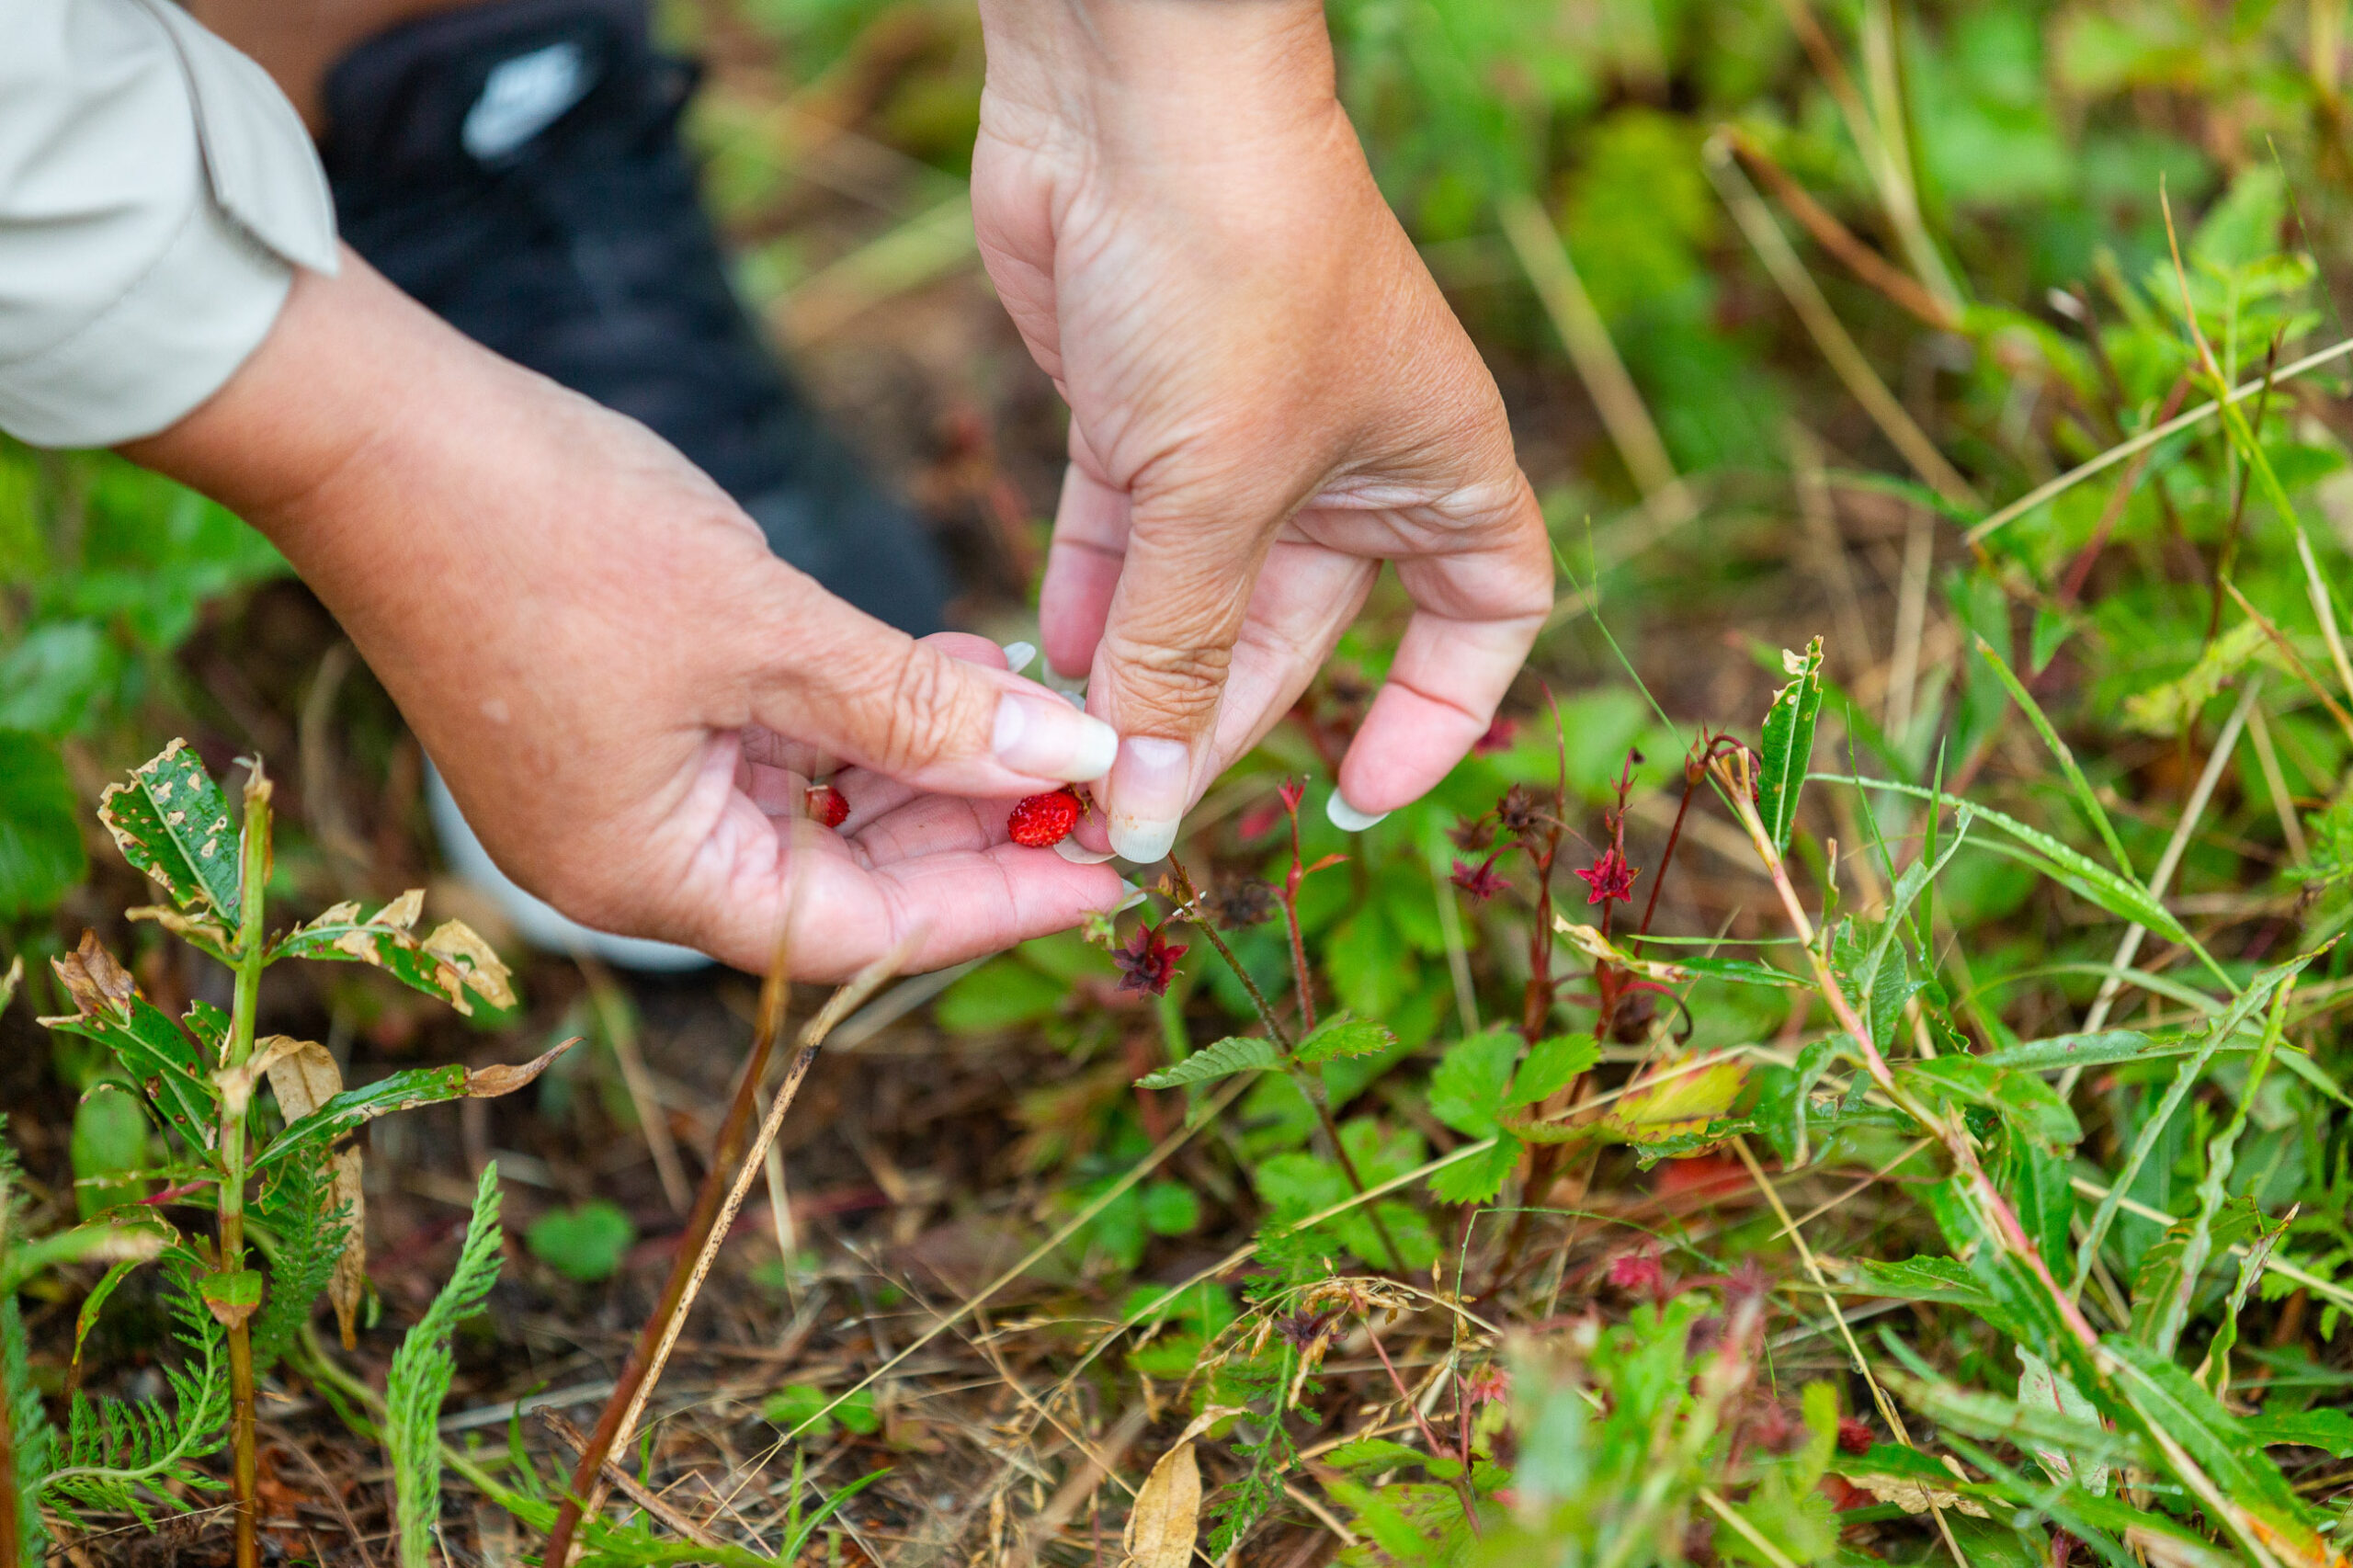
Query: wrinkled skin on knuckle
(1179, 685)
(924, 716)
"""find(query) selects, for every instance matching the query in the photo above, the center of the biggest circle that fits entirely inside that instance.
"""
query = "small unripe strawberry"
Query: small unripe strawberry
(827, 805)
(1043, 821)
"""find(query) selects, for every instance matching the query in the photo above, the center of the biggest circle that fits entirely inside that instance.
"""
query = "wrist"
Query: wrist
(1115, 72)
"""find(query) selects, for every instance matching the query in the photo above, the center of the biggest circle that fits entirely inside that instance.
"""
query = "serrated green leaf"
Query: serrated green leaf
(401, 1091)
(1235, 1053)
(2330, 1430)
(1342, 1036)
(1784, 1100)
(2169, 1399)
(172, 822)
(1788, 743)
(2101, 1049)
(1468, 1086)
(1479, 1178)
(1942, 1279)
(1552, 1064)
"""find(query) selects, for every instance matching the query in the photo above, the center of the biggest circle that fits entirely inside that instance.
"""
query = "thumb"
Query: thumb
(1160, 671)
(872, 695)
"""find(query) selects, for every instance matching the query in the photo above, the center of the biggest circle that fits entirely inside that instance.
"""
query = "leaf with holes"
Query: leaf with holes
(449, 964)
(172, 822)
(1788, 744)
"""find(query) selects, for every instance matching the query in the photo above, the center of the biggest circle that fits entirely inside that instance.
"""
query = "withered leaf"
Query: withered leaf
(489, 1083)
(99, 985)
(1167, 1518)
(452, 963)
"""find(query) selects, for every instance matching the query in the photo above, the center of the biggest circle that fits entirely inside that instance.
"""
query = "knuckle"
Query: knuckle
(923, 715)
(1181, 682)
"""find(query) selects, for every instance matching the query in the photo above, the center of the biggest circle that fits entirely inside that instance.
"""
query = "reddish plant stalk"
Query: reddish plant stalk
(1309, 1084)
(1296, 875)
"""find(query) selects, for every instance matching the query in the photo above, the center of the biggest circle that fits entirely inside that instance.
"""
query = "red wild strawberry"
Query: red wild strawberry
(827, 805)
(1043, 821)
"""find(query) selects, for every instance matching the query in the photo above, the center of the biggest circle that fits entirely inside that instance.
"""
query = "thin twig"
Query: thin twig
(628, 1485)
(1865, 263)
(776, 993)
(753, 1163)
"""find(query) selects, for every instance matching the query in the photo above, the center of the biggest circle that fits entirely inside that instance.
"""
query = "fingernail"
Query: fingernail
(1078, 854)
(1018, 655)
(1147, 797)
(1346, 818)
(1047, 739)
(1129, 899)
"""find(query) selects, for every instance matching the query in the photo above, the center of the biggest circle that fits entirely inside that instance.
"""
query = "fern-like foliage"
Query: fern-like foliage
(293, 1208)
(34, 1436)
(20, 1401)
(422, 1368)
(116, 1450)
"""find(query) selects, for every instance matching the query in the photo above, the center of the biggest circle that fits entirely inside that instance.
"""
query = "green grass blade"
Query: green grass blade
(2247, 1004)
(2082, 787)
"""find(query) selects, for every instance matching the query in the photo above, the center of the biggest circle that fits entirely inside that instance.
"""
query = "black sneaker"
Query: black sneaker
(516, 167)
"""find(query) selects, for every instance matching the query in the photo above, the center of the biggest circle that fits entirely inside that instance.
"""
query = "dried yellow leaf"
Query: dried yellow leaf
(1167, 1518)
(456, 945)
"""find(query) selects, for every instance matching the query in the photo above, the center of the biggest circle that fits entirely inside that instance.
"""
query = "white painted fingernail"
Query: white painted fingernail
(1078, 854)
(1018, 655)
(1134, 899)
(1147, 797)
(1047, 739)
(1346, 818)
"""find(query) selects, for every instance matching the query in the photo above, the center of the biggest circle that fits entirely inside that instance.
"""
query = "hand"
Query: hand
(1268, 399)
(624, 689)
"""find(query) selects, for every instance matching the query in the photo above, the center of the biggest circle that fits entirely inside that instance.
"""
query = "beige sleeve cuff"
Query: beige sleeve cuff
(157, 193)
